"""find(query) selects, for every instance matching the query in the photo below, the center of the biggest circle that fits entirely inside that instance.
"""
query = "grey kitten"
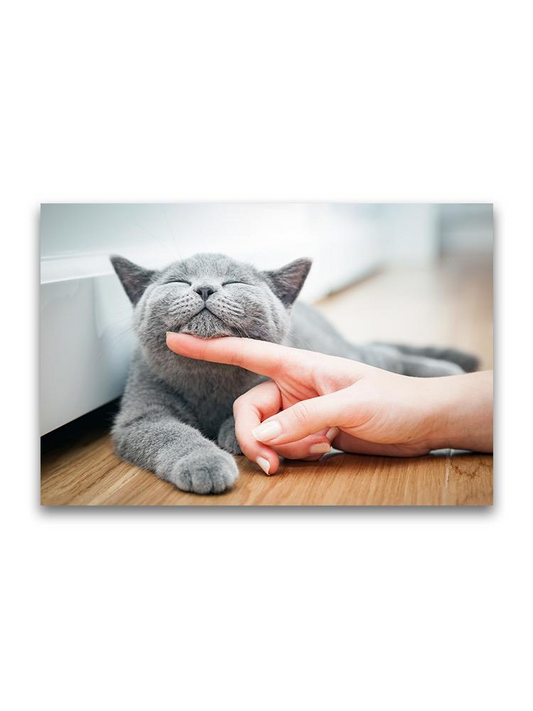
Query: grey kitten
(176, 413)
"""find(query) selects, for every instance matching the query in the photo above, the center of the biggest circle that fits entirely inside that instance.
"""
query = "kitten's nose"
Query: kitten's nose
(204, 291)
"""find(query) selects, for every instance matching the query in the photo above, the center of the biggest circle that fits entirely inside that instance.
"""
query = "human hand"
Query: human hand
(309, 394)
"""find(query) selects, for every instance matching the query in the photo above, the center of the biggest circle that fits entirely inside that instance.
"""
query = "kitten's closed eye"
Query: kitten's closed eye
(179, 281)
(242, 283)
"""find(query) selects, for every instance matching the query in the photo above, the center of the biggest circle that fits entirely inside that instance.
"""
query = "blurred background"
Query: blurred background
(401, 272)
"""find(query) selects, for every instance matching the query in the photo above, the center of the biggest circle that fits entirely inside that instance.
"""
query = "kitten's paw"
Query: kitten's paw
(205, 472)
(227, 439)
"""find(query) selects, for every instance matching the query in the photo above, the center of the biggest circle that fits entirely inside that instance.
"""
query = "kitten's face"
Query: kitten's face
(211, 295)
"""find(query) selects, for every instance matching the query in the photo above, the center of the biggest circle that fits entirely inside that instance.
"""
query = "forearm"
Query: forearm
(461, 411)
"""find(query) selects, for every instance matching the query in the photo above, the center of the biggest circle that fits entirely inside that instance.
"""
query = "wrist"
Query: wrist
(459, 411)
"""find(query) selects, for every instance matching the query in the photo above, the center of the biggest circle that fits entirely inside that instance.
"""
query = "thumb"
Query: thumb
(302, 419)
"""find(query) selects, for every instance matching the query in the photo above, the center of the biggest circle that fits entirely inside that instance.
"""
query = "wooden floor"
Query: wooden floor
(448, 305)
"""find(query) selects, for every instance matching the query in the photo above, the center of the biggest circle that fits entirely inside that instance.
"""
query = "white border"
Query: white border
(378, 609)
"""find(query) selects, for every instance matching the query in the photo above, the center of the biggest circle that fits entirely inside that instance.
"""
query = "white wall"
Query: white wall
(76, 240)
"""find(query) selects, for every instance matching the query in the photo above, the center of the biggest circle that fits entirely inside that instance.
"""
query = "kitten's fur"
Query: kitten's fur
(175, 411)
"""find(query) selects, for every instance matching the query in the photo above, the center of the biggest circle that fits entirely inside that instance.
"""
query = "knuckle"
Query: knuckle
(301, 413)
(249, 450)
(240, 404)
(246, 450)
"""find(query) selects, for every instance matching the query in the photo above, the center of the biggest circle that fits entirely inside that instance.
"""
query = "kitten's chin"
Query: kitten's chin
(206, 325)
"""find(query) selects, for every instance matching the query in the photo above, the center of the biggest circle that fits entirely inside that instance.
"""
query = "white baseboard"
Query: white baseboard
(85, 347)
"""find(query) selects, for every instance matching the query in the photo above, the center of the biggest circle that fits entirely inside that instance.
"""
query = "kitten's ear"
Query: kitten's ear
(287, 281)
(134, 279)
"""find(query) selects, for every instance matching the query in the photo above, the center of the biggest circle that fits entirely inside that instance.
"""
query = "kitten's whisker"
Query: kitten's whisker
(108, 344)
(243, 330)
(125, 322)
(305, 345)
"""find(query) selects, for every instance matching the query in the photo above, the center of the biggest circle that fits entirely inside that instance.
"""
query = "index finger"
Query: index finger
(260, 357)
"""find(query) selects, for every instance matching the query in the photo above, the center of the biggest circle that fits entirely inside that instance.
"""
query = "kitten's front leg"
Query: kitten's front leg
(227, 438)
(174, 450)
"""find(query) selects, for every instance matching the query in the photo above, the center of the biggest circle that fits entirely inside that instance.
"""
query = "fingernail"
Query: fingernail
(320, 448)
(264, 464)
(332, 433)
(267, 431)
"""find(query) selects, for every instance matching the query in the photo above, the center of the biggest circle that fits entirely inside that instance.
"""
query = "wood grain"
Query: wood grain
(451, 305)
